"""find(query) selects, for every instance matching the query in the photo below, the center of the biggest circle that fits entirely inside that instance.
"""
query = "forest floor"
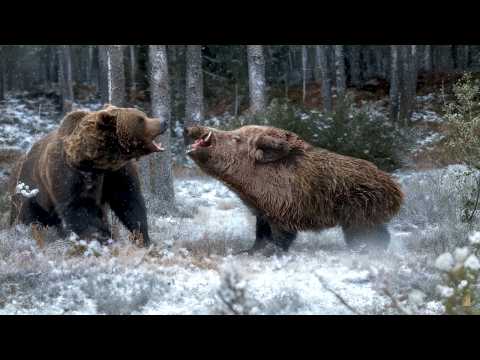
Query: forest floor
(191, 269)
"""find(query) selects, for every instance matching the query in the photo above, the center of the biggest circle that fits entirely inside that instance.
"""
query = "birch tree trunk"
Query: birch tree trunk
(157, 168)
(326, 80)
(194, 89)
(340, 72)
(65, 77)
(257, 81)
(115, 75)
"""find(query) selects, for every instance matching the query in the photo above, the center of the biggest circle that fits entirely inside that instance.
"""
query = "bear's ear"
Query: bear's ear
(270, 149)
(106, 120)
(70, 122)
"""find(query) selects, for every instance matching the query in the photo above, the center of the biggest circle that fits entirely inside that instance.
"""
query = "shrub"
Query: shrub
(349, 131)
(460, 273)
(463, 122)
(463, 130)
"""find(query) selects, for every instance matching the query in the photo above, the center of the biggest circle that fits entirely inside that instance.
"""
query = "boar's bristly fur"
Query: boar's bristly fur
(292, 186)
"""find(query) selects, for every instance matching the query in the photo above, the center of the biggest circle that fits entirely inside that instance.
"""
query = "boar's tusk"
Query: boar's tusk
(207, 139)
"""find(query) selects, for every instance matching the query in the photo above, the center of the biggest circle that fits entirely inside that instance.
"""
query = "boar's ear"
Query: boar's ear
(270, 149)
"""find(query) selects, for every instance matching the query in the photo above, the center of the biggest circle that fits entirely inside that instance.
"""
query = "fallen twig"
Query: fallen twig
(338, 296)
(395, 302)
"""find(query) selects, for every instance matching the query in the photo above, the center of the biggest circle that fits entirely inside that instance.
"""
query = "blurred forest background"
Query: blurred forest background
(314, 90)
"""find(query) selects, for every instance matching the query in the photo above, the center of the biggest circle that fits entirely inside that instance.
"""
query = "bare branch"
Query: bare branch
(395, 302)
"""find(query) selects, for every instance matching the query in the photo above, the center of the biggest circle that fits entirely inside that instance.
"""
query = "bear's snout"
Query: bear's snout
(163, 126)
(156, 127)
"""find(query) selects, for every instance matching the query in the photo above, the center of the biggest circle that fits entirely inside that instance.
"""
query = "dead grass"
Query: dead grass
(8, 156)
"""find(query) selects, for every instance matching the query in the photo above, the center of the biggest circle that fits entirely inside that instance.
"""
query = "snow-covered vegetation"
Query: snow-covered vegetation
(191, 268)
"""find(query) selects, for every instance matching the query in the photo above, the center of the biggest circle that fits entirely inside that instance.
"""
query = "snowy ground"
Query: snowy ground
(185, 271)
(191, 268)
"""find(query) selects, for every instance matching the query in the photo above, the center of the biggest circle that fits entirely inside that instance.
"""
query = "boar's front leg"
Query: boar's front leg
(266, 232)
(263, 235)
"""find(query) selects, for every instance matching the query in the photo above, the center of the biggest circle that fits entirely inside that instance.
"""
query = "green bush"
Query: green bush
(460, 275)
(348, 131)
(463, 122)
(462, 140)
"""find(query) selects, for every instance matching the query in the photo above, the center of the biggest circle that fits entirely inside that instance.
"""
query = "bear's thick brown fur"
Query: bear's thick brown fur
(83, 166)
(292, 186)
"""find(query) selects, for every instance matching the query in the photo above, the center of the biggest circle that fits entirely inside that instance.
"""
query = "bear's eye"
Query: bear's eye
(236, 139)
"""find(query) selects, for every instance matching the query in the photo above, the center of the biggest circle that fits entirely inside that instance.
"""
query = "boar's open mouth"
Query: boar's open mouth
(204, 141)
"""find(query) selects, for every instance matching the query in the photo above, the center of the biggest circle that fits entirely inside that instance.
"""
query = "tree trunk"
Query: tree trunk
(355, 69)
(304, 72)
(89, 66)
(157, 168)
(115, 75)
(443, 58)
(257, 82)
(461, 57)
(428, 64)
(409, 82)
(2, 74)
(403, 82)
(394, 84)
(194, 90)
(103, 73)
(133, 67)
(65, 77)
(340, 72)
(321, 51)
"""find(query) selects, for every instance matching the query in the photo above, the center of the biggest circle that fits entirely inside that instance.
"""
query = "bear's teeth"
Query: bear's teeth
(159, 146)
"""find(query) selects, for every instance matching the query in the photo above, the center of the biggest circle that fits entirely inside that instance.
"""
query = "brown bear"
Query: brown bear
(83, 166)
(292, 186)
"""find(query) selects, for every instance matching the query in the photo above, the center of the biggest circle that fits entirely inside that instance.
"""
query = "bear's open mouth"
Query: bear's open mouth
(203, 142)
(155, 146)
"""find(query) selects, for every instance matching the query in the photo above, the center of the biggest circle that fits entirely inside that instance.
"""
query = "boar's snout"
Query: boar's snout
(193, 132)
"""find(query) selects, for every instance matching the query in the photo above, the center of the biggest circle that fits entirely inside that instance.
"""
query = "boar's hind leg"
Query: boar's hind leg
(377, 236)
(282, 238)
